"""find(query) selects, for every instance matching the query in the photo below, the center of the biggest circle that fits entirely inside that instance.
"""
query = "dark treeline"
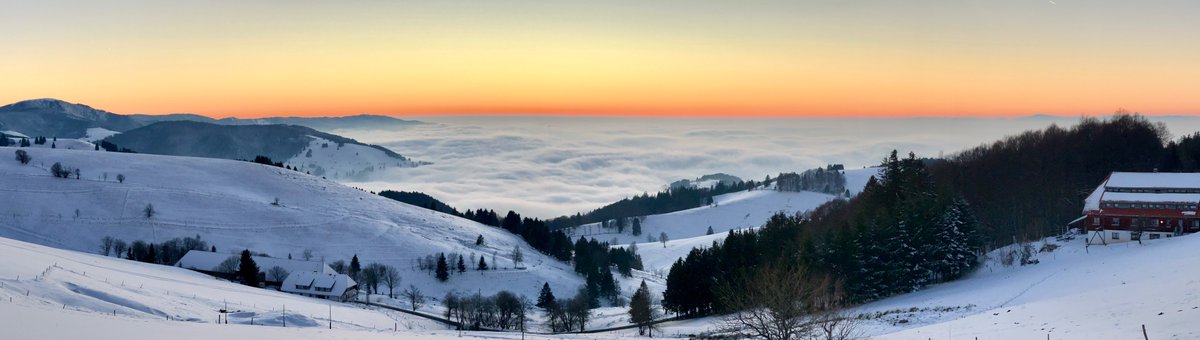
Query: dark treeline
(167, 252)
(422, 200)
(540, 237)
(1030, 185)
(596, 260)
(505, 310)
(913, 226)
(669, 200)
(898, 235)
(828, 180)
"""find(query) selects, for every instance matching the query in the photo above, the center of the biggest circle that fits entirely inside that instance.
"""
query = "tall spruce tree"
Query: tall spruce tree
(546, 297)
(355, 267)
(247, 269)
(640, 312)
(443, 271)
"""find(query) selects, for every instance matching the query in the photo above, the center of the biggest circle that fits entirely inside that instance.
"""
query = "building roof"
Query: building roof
(1153, 180)
(1164, 180)
(317, 283)
(208, 261)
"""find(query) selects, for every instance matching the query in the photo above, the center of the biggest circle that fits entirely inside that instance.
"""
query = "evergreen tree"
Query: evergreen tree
(479, 240)
(355, 267)
(151, 255)
(637, 227)
(462, 266)
(710, 231)
(247, 269)
(443, 270)
(482, 264)
(546, 297)
(640, 312)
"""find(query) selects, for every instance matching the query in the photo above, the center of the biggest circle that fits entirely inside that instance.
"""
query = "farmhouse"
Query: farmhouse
(211, 263)
(321, 285)
(1133, 206)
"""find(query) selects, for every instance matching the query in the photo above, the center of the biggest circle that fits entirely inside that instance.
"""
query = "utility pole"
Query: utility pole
(331, 316)
(284, 315)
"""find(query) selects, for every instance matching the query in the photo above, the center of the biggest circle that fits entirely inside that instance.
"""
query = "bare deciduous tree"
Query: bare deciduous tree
(307, 255)
(106, 245)
(277, 274)
(783, 302)
(414, 297)
(229, 266)
(148, 211)
(390, 277)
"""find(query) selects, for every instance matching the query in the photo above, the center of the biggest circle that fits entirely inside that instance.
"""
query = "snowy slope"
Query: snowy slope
(1103, 292)
(326, 158)
(39, 276)
(228, 203)
(738, 210)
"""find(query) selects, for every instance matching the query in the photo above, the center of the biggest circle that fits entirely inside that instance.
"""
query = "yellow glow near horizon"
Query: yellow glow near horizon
(703, 58)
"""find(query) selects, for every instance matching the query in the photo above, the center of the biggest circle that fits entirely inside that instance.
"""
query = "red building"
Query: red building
(1135, 206)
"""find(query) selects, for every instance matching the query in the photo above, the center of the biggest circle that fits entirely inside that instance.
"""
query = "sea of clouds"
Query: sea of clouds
(552, 166)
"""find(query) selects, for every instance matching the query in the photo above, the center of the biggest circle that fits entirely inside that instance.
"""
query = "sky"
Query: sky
(701, 58)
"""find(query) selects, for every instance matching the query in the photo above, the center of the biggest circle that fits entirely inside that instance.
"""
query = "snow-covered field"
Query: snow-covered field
(1101, 292)
(229, 204)
(346, 162)
(737, 210)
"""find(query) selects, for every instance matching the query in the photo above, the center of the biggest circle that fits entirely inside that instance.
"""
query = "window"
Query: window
(1116, 236)
(1154, 236)
(1195, 223)
(1116, 221)
(1096, 221)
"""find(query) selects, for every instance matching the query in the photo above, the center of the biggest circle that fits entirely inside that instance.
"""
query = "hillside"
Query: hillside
(1074, 293)
(356, 122)
(72, 282)
(229, 204)
(319, 153)
(738, 210)
(56, 118)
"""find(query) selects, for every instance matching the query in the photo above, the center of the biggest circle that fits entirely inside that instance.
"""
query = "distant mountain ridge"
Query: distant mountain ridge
(198, 139)
(294, 141)
(57, 118)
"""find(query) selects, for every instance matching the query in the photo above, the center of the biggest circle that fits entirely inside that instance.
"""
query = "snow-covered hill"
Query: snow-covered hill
(37, 276)
(229, 204)
(738, 210)
(1101, 292)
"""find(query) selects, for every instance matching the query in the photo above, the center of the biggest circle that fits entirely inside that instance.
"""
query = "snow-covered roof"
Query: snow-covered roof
(1145, 180)
(13, 134)
(317, 283)
(1150, 197)
(1153, 180)
(208, 261)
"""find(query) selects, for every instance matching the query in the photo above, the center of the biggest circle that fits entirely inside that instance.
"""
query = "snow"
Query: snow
(34, 277)
(1151, 197)
(15, 134)
(97, 133)
(1153, 180)
(348, 162)
(208, 261)
(1100, 292)
(738, 210)
(229, 204)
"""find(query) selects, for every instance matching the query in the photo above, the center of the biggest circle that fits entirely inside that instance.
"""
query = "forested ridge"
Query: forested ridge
(924, 221)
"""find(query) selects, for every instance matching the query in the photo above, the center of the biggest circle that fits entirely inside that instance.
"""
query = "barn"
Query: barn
(1136, 206)
(272, 271)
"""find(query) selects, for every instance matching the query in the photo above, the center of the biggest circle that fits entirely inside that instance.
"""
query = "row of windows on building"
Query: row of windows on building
(1116, 221)
(1170, 206)
(319, 289)
(1155, 190)
(1153, 236)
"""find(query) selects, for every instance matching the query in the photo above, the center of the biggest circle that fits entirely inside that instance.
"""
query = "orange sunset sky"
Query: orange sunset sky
(659, 58)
